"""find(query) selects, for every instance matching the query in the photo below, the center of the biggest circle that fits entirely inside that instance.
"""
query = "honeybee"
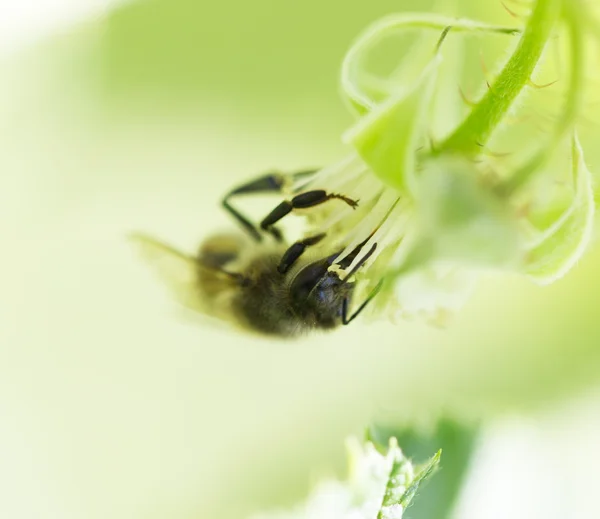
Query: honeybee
(271, 288)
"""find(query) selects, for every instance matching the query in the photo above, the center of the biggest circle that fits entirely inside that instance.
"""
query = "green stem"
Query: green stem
(478, 127)
(572, 13)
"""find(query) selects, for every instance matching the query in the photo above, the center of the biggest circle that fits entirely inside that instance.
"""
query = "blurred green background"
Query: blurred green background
(113, 403)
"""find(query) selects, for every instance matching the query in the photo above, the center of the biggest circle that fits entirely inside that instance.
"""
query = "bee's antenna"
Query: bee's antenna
(347, 320)
(362, 261)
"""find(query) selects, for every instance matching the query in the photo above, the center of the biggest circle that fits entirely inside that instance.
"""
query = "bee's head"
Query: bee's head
(317, 295)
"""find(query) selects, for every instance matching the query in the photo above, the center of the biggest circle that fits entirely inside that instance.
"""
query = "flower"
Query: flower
(380, 486)
(441, 213)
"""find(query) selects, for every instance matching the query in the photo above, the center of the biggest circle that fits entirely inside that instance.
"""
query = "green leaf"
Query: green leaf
(457, 441)
(561, 246)
(424, 473)
(398, 496)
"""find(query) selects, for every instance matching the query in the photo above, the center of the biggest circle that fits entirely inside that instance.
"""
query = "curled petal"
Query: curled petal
(388, 137)
(364, 91)
(565, 241)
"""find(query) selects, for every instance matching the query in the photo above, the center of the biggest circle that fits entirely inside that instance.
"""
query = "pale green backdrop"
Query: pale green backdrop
(114, 405)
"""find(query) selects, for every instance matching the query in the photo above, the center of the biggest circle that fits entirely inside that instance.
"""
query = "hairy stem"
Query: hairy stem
(573, 20)
(478, 127)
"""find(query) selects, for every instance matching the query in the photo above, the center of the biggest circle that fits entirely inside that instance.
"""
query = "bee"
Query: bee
(275, 288)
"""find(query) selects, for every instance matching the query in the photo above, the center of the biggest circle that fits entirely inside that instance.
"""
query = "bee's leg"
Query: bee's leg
(272, 182)
(347, 320)
(296, 250)
(302, 201)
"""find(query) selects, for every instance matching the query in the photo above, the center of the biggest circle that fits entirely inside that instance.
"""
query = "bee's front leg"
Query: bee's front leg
(296, 250)
(269, 183)
(302, 201)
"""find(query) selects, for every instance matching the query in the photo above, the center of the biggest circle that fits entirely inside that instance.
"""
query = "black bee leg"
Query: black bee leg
(296, 250)
(302, 201)
(270, 183)
(347, 320)
(267, 183)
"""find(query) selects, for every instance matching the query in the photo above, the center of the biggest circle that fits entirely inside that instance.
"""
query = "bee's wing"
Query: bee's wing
(223, 249)
(180, 273)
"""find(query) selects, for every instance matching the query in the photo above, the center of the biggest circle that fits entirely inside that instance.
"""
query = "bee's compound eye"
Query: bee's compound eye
(307, 279)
